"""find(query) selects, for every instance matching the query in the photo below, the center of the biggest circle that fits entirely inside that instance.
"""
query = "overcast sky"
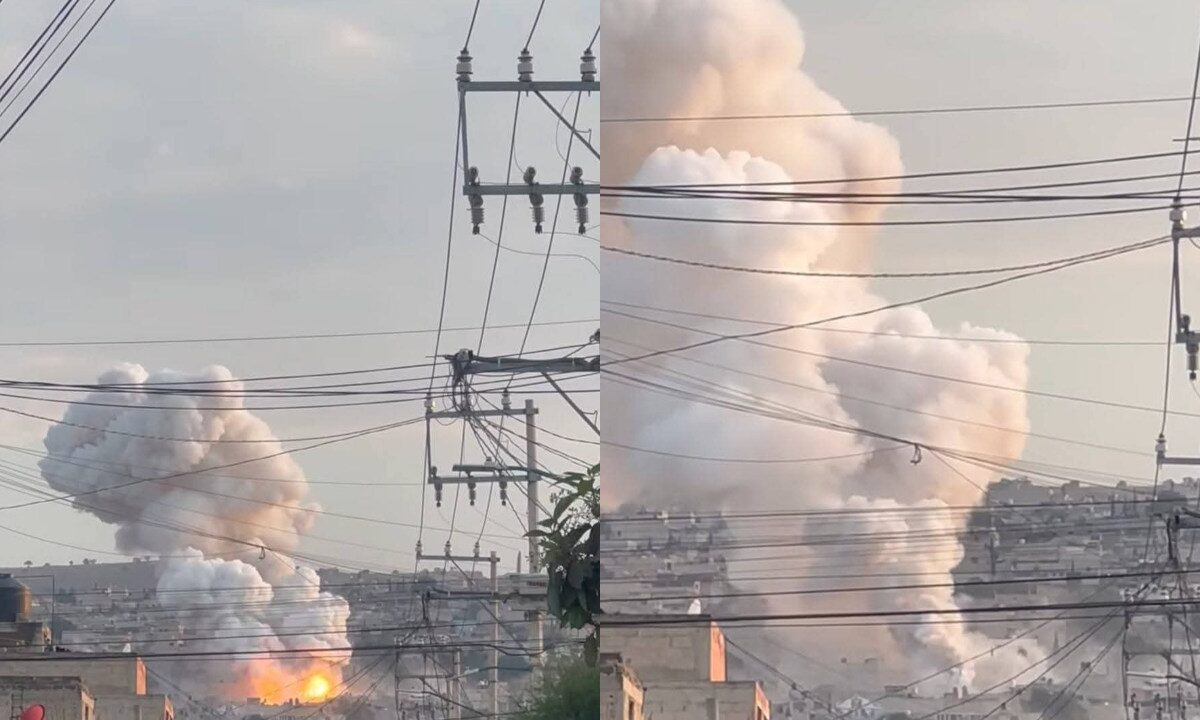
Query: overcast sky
(234, 168)
(880, 55)
(228, 168)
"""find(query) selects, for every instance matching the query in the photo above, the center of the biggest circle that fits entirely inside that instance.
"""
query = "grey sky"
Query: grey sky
(880, 55)
(232, 168)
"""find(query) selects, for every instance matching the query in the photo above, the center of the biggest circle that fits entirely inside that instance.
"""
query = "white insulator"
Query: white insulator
(476, 202)
(587, 66)
(525, 66)
(463, 68)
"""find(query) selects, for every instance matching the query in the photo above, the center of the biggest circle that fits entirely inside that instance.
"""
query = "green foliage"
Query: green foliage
(569, 690)
(570, 540)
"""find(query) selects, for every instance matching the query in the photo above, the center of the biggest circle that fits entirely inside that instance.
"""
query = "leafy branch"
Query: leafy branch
(570, 541)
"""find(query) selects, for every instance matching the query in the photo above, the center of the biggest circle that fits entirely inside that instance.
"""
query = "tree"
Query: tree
(570, 541)
(569, 690)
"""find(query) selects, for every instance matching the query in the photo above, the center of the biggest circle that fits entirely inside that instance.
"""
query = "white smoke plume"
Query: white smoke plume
(713, 58)
(223, 535)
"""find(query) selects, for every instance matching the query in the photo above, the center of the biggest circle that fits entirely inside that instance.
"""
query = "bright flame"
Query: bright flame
(316, 687)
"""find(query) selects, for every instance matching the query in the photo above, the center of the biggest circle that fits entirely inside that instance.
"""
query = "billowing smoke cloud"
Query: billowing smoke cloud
(224, 534)
(713, 58)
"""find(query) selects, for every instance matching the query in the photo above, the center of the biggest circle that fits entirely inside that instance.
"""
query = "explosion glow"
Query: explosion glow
(316, 688)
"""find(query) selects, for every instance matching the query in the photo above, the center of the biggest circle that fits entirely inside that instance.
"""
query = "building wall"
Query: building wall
(65, 698)
(112, 676)
(135, 576)
(134, 707)
(24, 634)
(621, 695)
(669, 652)
(716, 654)
(706, 701)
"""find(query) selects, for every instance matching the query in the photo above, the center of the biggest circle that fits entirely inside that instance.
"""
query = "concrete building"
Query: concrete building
(109, 676)
(621, 694)
(138, 576)
(24, 634)
(698, 700)
(134, 707)
(64, 698)
(681, 662)
(115, 686)
(665, 649)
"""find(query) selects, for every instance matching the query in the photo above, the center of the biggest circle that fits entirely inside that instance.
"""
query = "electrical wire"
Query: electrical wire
(1133, 247)
(1050, 342)
(883, 223)
(900, 112)
(840, 274)
(265, 338)
(926, 175)
(12, 126)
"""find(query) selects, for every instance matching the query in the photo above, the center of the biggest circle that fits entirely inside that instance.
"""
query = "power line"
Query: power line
(989, 652)
(839, 513)
(1187, 137)
(512, 148)
(749, 460)
(839, 274)
(894, 112)
(138, 481)
(787, 414)
(718, 337)
(892, 333)
(985, 192)
(265, 338)
(471, 27)
(1079, 260)
(883, 223)
(37, 45)
(12, 126)
(616, 620)
(925, 175)
(536, 19)
(557, 208)
(987, 196)
(858, 399)
(884, 588)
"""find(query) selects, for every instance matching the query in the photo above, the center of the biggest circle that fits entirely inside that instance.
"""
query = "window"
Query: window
(632, 715)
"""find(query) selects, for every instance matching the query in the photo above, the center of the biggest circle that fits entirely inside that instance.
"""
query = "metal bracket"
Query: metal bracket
(531, 86)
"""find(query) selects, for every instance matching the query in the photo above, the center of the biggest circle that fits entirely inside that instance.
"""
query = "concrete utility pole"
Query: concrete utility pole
(460, 698)
(495, 637)
(493, 560)
(1184, 334)
(531, 485)
(493, 470)
(467, 363)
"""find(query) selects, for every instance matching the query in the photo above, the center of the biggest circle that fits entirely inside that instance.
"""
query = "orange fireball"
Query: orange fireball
(316, 688)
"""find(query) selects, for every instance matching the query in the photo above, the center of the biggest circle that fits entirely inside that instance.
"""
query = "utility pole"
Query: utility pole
(495, 675)
(531, 485)
(475, 190)
(492, 470)
(460, 698)
(1184, 334)
(493, 560)
(465, 364)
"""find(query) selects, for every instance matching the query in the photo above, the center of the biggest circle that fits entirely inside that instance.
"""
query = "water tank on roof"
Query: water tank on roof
(16, 602)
